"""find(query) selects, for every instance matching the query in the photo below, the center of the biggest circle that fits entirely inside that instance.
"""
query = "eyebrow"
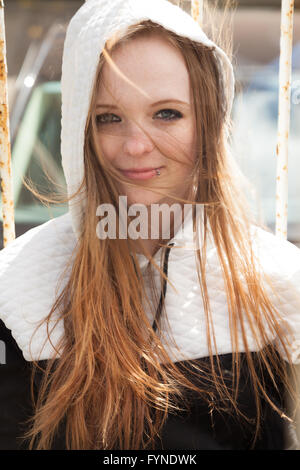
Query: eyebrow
(111, 106)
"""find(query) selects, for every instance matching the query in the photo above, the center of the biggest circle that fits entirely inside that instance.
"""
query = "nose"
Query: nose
(137, 143)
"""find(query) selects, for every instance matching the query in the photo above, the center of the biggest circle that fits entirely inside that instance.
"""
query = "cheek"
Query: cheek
(109, 146)
(191, 141)
(185, 149)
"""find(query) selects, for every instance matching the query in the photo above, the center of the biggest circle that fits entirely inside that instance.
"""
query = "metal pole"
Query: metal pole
(197, 10)
(5, 151)
(285, 72)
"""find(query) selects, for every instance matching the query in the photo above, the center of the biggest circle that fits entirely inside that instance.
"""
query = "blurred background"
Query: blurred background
(35, 32)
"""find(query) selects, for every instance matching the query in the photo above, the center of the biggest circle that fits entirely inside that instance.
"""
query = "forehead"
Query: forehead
(152, 64)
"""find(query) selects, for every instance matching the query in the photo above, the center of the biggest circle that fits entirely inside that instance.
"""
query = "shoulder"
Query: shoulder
(279, 261)
(276, 254)
(56, 233)
(30, 271)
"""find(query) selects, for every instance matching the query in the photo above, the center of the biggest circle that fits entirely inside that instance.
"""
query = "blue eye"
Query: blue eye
(102, 118)
(169, 114)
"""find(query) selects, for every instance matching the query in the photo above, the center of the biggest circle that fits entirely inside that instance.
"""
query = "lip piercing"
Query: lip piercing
(157, 172)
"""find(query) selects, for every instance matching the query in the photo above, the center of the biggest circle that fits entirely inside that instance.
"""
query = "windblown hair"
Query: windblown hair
(114, 382)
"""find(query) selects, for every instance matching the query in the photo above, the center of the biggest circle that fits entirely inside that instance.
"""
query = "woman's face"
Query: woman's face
(154, 98)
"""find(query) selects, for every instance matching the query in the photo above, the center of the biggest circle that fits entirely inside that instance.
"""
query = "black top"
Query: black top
(193, 429)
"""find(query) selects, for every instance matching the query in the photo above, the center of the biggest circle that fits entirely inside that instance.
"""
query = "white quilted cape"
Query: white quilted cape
(32, 273)
(34, 268)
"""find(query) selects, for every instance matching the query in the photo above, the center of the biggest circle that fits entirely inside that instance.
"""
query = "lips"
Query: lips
(140, 173)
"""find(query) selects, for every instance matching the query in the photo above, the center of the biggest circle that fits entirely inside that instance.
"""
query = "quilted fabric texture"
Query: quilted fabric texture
(93, 24)
(30, 271)
(34, 268)
(185, 323)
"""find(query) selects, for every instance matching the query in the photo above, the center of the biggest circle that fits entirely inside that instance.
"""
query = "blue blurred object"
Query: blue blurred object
(255, 117)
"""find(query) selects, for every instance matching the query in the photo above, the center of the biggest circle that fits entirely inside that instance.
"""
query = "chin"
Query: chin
(143, 197)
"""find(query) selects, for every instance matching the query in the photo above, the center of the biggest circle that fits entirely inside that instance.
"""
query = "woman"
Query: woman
(169, 341)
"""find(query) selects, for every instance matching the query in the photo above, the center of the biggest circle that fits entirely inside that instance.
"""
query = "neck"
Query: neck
(168, 224)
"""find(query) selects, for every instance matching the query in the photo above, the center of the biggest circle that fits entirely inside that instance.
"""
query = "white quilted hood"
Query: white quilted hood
(94, 23)
(32, 268)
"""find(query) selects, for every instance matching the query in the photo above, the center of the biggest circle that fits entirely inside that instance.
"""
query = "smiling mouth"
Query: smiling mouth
(142, 173)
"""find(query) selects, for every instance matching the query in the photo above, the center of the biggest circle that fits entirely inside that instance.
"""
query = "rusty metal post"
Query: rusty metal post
(5, 150)
(197, 10)
(285, 72)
